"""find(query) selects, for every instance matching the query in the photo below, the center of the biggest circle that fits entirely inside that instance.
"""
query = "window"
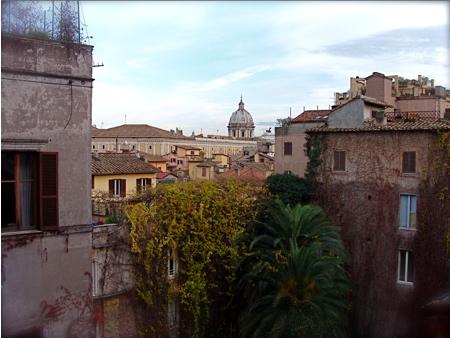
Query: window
(339, 161)
(103, 146)
(93, 146)
(405, 266)
(243, 133)
(117, 188)
(172, 264)
(288, 148)
(409, 162)
(288, 172)
(234, 133)
(97, 278)
(29, 190)
(192, 152)
(408, 204)
(171, 313)
(142, 184)
(173, 160)
(204, 171)
(134, 147)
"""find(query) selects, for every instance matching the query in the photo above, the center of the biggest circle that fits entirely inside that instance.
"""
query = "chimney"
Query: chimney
(380, 118)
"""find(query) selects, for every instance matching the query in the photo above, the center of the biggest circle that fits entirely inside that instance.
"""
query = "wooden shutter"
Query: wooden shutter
(138, 185)
(111, 187)
(48, 191)
(123, 188)
(409, 162)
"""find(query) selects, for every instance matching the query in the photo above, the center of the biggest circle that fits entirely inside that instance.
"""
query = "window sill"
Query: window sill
(405, 284)
(408, 174)
(21, 232)
(408, 229)
(339, 172)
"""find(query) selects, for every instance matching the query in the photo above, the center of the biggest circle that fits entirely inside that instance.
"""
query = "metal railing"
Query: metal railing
(412, 115)
(50, 20)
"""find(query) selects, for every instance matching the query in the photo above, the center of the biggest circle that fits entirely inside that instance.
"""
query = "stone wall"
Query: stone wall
(364, 202)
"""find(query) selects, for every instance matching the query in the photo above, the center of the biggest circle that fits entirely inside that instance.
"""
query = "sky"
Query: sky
(186, 64)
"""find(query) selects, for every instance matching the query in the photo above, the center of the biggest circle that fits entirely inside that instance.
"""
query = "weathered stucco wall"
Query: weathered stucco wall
(46, 283)
(349, 116)
(46, 276)
(55, 107)
(296, 162)
(364, 201)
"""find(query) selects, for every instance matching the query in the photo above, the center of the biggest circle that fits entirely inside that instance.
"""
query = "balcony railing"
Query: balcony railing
(412, 115)
(50, 20)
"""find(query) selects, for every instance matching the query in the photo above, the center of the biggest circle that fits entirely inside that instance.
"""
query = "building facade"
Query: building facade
(155, 141)
(46, 211)
(386, 187)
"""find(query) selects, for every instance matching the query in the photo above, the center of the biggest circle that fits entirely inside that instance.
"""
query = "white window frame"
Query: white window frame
(406, 281)
(408, 212)
(144, 183)
(172, 264)
(116, 187)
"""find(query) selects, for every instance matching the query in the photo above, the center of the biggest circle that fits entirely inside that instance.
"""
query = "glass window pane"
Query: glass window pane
(8, 165)
(8, 204)
(403, 211)
(26, 170)
(410, 266)
(26, 193)
(402, 257)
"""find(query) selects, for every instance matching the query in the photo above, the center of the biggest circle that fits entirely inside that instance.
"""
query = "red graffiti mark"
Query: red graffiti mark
(51, 312)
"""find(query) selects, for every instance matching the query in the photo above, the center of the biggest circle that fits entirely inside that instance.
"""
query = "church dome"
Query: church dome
(241, 117)
(241, 123)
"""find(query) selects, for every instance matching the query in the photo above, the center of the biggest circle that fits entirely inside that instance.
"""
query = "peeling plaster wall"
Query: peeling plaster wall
(364, 201)
(46, 95)
(41, 104)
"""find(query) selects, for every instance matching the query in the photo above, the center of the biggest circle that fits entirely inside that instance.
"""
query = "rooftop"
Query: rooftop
(418, 125)
(135, 130)
(311, 116)
(120, 163)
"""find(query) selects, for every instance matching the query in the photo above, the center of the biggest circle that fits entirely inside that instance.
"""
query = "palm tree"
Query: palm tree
(292, 276)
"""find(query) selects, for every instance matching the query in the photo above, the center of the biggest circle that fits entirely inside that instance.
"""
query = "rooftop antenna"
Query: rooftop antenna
(125, 118)
(101, 125)
(98, 64)
(290, 112)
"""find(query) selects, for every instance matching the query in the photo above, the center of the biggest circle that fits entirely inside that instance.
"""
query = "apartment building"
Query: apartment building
(46, 210)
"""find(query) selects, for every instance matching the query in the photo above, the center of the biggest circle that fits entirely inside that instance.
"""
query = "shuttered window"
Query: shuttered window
(409, 162)
(339, 161)
(49, 190)
(288, 148)
(20, 203)
(117, 188)
(142, 184)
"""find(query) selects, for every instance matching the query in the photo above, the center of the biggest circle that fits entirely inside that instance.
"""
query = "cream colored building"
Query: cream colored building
(155, 141)
(121, 174)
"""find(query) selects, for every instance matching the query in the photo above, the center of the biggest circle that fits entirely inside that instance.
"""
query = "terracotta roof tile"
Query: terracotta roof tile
(135, 130)
(392, 126)
(120, 163)
(311, 116)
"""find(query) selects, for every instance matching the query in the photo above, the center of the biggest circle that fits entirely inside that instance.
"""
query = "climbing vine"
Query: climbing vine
(314, 148)
(200, 223)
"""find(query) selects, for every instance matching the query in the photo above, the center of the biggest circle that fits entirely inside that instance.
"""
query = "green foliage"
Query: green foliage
(288, 188)
(314, 148)
(292, 276)
(201, 222)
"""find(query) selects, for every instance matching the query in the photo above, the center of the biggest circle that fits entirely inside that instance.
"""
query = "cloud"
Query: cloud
(138, 63)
